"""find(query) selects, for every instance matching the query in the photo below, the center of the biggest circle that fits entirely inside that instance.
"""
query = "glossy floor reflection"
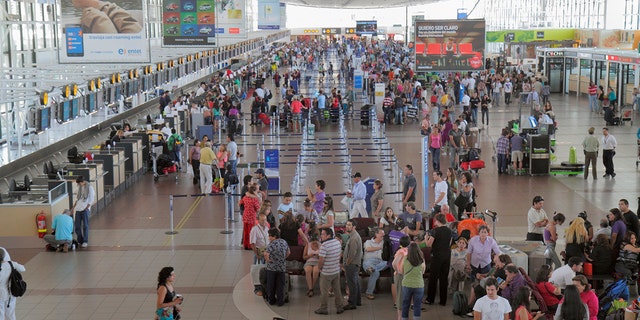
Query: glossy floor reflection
(116, 276)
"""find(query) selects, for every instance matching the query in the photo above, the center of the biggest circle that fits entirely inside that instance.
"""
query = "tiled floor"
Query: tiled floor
(116, 276)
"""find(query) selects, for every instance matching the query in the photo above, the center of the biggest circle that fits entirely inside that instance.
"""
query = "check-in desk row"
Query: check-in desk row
(18, 209)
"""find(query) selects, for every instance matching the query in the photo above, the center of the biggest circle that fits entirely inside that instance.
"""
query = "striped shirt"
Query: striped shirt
(330, 251)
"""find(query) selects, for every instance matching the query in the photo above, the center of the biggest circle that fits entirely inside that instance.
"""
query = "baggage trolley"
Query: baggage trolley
(412, 113)
(156, 154)
(365, 116)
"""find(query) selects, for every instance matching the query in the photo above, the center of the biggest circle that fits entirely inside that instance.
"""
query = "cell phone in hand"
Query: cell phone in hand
(500, 280)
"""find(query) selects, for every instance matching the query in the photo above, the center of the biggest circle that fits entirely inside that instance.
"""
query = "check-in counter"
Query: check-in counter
(136, 153)
(146, 158)
(18, 210)
(113, 165)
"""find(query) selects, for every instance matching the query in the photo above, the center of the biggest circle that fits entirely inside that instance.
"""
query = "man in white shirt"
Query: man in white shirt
(202, 89)
(232, 152)
(259, 240)
(440, 192)
(537, 220)
(84, 199)
(260, 91)
(464, 102)
(492, 306)
(372, 262)
(563, 276)
(359, 193)
(609, 144)
(508, 88)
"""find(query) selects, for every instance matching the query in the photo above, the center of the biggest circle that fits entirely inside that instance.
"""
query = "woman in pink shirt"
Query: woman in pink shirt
(587, 295)
(223, 157)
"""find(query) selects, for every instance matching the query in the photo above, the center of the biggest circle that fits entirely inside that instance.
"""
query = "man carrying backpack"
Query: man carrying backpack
(174, 144)
(8, 301)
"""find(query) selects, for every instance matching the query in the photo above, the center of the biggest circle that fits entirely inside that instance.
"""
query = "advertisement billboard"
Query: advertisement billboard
(269, 14)
(449, 45)
(187, 23)
(111, 33)
(231, 23)
(368, 27)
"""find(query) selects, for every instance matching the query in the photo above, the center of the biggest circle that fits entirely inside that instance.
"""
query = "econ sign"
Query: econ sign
(93, 31)
(449, 45)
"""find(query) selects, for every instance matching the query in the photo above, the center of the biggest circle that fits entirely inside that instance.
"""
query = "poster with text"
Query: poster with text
(188, 23)
(94, 31)
(269, 14)
(449, 45)
(231, 23)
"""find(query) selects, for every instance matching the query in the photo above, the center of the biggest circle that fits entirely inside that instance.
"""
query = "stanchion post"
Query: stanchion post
(171, 231)
(226, 223)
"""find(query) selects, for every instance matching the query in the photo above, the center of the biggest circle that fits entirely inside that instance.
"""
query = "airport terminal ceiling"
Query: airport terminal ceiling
(358, 4)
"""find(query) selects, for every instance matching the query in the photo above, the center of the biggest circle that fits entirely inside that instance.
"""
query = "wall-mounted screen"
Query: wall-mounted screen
(369, 27)
(66, 111)
(99, 100)
(90, 103)
(44, 119)
(117, 92)
(75, 108)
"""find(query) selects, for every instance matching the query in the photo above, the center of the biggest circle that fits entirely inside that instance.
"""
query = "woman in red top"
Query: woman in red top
(587, 295)
(296, 111)
(521, 308)
(251, 203)
(547, 290)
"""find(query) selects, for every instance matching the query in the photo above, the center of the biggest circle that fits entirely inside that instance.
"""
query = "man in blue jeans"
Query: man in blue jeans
(85, 198)
(352, 258)
(373, 263)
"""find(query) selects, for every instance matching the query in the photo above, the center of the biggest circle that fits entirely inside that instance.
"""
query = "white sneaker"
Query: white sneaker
(84, 245)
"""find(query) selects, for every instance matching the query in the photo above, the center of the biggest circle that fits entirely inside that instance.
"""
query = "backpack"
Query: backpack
(16, 285)
(473, 154)
(460, 303)
(614, 291)
(386, 248)
(175, 143)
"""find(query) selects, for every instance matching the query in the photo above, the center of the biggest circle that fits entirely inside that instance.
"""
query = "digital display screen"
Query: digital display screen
(45, 119)
(369, 27)
(66, 111)
(117, 92)
(90, 103)
(99, 100)
(75, 110)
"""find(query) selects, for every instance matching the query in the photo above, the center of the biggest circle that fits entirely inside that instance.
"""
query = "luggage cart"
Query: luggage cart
(156, 153)
(412, 113)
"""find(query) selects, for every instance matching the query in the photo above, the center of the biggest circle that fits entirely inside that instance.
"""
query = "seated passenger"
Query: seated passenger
(311, 268)
(627, 262)
(512, 283)
(601, 255)
(309, 212)
(563, 276)
(372, 261)
(547, 290)
(388, 220)
(412, 220)
(457, 275)
(290, 229)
